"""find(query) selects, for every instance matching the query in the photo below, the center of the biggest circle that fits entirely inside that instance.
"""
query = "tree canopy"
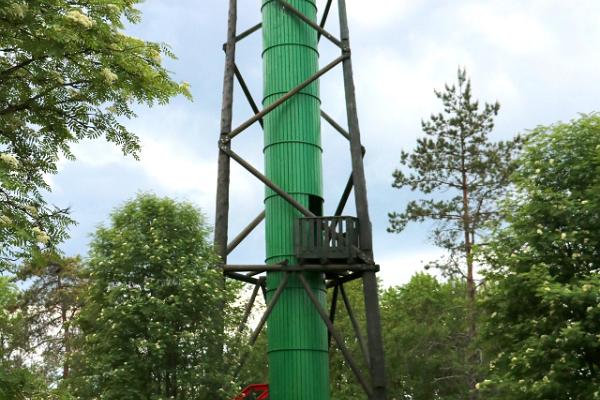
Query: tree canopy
(427, 349)
(542, 302)
(50, 303)
(423, 324)
(459, 170)
(150, 317)
(67, 73)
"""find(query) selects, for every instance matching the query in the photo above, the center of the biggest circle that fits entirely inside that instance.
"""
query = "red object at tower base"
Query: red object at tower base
(257, 391)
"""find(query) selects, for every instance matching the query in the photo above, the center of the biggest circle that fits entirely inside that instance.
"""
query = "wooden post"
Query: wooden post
(375, 340)
(223, 174)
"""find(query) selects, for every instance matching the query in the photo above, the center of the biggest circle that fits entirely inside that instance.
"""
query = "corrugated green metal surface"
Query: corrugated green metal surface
(298, 357)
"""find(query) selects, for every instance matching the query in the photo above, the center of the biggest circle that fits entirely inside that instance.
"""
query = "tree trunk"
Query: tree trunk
(471, 319)
(65, 327)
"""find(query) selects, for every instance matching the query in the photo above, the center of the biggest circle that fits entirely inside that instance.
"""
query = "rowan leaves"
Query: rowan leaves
(67, 73)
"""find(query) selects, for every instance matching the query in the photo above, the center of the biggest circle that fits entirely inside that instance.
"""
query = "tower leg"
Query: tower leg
(374, 337)
(223, 174)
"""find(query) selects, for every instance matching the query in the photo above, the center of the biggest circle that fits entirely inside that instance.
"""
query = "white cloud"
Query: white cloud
(500, 86)
(379, 14)
(97, 153)
(176, 168)
(397, 268)
(395, 92)
(512, 28)
(175, 162)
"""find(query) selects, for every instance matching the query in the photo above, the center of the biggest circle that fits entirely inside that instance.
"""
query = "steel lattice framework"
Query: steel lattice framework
(338, 273)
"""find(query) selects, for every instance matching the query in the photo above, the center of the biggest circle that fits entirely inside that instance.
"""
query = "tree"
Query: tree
(67, 73)
(462, 175)
(344, 384)
(51, 302)
(17, 379)
(425, 341)
(150, 317)
(542, 300)
(423, 325)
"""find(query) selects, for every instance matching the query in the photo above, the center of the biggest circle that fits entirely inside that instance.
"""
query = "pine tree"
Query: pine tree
(51, 302)
(461, 174)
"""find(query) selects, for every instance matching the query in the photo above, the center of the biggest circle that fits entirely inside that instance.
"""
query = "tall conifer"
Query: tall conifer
(461, 174)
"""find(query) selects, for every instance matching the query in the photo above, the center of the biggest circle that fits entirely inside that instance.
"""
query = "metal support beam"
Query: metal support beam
(322, 32)
(373, 319)
(245, 232)
(350, 183)
(286, 196)
(285, 97)
(345, 196)
(345, 279)
(334, 333)
(270, 307)
(241, 277)
(335, 125)
(263, 287)
(223, 174)
(248, 32)
(223, 169)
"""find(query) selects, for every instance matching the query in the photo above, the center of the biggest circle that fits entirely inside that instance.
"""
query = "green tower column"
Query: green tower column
(297, 337)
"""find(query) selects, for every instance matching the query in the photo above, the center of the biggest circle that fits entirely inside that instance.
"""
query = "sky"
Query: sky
(538, 58)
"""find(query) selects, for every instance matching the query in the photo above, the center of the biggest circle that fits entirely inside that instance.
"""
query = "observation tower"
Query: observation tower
(307, 253)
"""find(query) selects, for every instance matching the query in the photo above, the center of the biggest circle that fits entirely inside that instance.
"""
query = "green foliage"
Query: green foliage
(20, 383)
(155, 308)
(461, 172)
(423, 324)
(10, 317)
(462, 175)
(543, 295)
(16, 380)
(344, 385)
(255, 368)
(50, 303)
(425, 340)
(67, 73)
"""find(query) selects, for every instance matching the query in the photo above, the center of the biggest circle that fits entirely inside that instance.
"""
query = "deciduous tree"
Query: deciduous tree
(543, 287)
(17, 379)
(151, 315)
(427, 347)
(67, 73)
(424, 331)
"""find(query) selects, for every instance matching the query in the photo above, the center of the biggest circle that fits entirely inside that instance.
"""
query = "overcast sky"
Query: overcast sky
(538, 58)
